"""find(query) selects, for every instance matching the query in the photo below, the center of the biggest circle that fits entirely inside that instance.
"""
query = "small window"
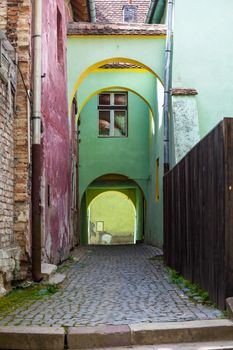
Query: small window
(113, 115)
(130, 13)
(59, 37)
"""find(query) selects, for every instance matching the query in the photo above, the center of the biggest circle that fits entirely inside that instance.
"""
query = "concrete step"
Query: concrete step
(223, 345)
(202, 335)
(150, 334)
(32, 338)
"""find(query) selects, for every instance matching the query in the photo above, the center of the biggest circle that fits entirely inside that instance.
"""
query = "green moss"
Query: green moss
(156, 258)
(66, 264)
(20, 297)
(193, 291)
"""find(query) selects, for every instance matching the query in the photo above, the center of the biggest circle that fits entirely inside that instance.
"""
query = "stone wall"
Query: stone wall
(9, 251)
(15, 21)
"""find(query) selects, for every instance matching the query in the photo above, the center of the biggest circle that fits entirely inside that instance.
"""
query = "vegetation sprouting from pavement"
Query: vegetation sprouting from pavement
(20, 296)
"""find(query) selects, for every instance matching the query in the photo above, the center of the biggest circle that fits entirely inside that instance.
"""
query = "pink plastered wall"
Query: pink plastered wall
(57, 145)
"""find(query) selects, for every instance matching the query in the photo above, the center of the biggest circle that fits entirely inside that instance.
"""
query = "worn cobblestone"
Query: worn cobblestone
(113, 285)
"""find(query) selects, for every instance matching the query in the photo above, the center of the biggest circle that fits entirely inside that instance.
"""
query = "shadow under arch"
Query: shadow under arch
(118, 183)
(123, 88)
(98, 64)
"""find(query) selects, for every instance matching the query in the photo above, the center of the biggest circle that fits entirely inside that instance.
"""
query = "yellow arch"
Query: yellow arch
(111, 88)
(96, 65)
(119, 191)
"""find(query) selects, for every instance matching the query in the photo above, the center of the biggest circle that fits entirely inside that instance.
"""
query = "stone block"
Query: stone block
(97, 337)
(229, 305)
(33, 338)
(178, 332)
(48, 269)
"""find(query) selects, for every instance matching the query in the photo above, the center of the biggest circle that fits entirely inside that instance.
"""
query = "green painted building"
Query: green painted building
(115, 73)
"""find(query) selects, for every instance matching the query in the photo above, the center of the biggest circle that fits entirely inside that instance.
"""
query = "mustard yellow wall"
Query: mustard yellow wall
(117, 211)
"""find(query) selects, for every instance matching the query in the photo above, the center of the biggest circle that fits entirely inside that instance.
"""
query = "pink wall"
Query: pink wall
(56, 171)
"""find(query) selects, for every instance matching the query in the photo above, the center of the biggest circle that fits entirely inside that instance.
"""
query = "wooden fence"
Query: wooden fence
(198, 214)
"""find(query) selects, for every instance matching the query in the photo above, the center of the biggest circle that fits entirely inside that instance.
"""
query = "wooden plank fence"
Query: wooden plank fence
(198, 214)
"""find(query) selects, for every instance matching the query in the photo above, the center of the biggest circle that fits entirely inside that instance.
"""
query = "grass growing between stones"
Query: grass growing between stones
(66, 264)
(193, 291)
(23, 296)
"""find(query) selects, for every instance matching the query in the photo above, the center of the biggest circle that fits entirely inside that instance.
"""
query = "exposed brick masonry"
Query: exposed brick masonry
(15, 21)
(9, 252)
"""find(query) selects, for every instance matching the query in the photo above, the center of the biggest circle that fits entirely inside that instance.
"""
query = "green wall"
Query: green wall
(203, 54)
(126, 156)
(134, 156)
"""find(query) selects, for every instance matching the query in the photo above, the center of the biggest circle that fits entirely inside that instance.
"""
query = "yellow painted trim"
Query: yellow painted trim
(121, 36)
(96, 65)
(118, 70)
(109, 88)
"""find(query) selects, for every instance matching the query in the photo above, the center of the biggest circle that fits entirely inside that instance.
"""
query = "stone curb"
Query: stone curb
(55, 338)
(178, 332)
(149, 334)
(99, 336)
(33, 338)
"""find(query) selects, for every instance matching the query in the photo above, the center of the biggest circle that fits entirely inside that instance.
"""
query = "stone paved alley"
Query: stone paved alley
(113, 285)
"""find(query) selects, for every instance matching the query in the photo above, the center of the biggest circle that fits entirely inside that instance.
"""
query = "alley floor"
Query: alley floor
(112, 285)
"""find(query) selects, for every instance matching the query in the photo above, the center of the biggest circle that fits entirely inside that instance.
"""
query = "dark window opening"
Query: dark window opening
(130, 13)
(59, 37)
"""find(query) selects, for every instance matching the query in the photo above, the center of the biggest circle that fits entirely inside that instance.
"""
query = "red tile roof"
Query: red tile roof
(110, 11)
(83, 28)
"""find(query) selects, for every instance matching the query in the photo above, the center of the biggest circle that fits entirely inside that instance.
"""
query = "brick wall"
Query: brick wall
(15, 21)
(9, 251)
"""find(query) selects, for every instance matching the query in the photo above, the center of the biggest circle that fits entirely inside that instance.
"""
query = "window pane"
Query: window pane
(120, 123)
(104, 99)
(104, 123)
(120, 100)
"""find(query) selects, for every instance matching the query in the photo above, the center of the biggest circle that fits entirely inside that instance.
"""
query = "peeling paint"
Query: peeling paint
(185, 123)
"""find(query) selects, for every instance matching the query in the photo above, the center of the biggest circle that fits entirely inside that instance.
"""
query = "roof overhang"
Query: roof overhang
(108, 29)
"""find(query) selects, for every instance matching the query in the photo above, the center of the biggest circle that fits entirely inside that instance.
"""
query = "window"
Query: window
(130, 13)
(59, 37)
(113, 121)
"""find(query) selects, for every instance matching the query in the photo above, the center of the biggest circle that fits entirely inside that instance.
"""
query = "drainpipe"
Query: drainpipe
(167, 83)
(156, 11)
(151, 10)
(36, 143)
(92, 10)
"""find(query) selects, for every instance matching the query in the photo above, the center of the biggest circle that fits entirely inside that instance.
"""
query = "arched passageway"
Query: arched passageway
(112, 211)
(111, 219)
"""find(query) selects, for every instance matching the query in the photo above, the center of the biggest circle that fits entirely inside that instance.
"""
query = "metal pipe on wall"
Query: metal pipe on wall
(151, 11)
(36, 143)
(167, 84)
(91, 5)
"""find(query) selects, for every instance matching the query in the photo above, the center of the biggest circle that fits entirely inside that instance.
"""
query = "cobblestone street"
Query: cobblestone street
(113, 285)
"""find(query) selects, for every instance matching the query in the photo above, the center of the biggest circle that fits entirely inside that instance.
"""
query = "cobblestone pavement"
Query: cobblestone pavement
(113, 285)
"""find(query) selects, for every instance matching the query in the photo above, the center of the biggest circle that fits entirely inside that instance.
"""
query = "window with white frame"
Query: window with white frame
(113, 120)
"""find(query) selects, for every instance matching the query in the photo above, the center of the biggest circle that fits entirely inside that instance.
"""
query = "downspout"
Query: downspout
(92, 10)
(151, 10)
(156, 11)
(36, 143)
(167, 84)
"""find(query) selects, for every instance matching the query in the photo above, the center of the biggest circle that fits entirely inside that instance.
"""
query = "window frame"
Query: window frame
(112, 108)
